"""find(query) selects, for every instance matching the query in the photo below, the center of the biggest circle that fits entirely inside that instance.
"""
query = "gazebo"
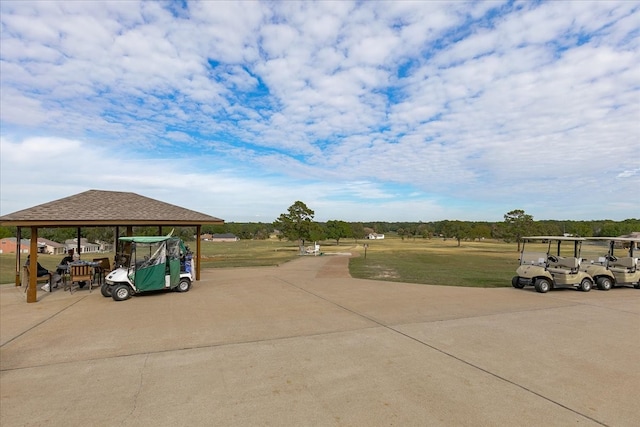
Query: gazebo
(97, 208)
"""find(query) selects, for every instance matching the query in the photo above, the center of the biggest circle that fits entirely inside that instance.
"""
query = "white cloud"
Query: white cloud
(486, 104)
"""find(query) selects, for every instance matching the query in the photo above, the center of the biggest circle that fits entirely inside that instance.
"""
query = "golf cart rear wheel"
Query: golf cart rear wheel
(585, 285)
(604, 283)
(515, 282)
(542, 285)
(184, 285)
(105, 290)
(121, 293)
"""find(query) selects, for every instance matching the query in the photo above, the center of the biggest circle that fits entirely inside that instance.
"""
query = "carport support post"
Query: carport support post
(198, 230)
(116, 236)
(18, 251)
(78, 241)
(127, 245)
(32, 292)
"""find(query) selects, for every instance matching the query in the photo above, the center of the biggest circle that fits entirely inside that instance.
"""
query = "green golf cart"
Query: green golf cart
(149, 263)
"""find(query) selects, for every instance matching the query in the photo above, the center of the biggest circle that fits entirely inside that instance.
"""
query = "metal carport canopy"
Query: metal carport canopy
(98, 208)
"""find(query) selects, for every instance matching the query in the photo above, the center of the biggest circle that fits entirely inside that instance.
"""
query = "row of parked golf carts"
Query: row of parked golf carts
(549, 262)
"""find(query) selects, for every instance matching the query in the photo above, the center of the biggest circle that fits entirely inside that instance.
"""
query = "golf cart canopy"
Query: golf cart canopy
(566, 238)
(616, 239)
(154, 240)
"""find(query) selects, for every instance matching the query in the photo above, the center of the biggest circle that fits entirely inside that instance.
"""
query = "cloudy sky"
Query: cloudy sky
(390, 111)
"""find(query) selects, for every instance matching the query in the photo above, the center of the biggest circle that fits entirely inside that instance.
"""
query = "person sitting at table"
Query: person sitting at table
(66, 260)
(63, 266)
(41, 272)
(72, 256)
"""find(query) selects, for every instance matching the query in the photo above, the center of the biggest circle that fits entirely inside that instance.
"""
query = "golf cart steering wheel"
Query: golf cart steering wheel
(553, 258)
(613, 258)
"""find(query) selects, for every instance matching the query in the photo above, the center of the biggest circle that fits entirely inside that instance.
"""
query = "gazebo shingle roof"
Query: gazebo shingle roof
(96, 207)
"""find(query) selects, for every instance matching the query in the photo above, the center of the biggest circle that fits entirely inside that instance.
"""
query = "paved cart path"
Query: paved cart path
(305, 344)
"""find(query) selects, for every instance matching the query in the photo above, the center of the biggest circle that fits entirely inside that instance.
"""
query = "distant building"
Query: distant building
(226, 237)
(104, 246)
(46, 246)
(8, 245)
(222, 237)
(85, 246)
(633, 235)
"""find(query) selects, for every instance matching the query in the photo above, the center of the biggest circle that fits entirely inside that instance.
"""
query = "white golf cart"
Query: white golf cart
(603, 261)
(549, 262)
(149, 263)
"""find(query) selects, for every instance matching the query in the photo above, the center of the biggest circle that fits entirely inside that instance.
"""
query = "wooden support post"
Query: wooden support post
(79, 245)
(32, 290)
(127, 245)
(116, 246)
(18, 252)
(198, 254)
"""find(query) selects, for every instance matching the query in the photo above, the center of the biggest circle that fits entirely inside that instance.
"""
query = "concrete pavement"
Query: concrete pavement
(303, 344)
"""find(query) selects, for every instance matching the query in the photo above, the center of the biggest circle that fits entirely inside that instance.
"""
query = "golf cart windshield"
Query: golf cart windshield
(537, 249)
(595, 251)
(605, 250)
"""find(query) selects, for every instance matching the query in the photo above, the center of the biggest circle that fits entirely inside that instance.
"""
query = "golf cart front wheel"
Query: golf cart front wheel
(542, 285)
(604, 283)
(585, 285)
(184, 285)
(121, 293)
(105, 290)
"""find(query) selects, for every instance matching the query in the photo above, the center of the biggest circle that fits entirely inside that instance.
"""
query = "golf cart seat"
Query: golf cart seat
(624, 265)
(564, 265)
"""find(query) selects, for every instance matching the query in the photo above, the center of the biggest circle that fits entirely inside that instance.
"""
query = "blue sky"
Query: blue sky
(365, 111)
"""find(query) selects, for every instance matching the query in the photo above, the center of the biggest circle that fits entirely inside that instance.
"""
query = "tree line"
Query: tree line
(297, 224)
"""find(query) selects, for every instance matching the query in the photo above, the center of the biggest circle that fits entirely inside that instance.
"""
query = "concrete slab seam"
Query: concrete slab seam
(42, 321)
(195, 347)
(447, 353)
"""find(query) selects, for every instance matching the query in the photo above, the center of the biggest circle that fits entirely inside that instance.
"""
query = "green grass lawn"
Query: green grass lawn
(246, 253)
(435, 261)
(8, 262)
(438, 262)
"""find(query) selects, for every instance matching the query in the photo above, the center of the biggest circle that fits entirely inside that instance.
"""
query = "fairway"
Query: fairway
(426, 261)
